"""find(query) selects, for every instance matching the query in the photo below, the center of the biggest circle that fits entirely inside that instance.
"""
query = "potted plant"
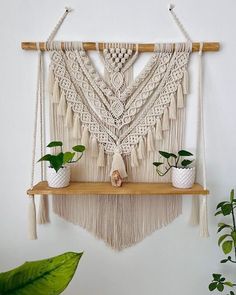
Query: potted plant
(58, 174)
(227, 241)
(183, 175)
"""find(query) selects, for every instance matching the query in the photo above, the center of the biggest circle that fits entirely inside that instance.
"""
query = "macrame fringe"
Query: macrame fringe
(76, 131)
(172, 108)
(51, 81)
(56, 92)
(194, 216)
(150, 141)
(101, 157)
(32, 227)
(118, 164)
(61, 110)
(204, 233)
(94, 147)
(185, 83)
(180, 97)
(165, 120)
(69, 117)
(141, 149)
(158, 133)
(134, 158)
(85, 137)
(43, 211)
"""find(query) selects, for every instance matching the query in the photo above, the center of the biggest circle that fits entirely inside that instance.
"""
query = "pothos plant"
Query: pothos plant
(173, 160)
(227, 242)
(59, 160)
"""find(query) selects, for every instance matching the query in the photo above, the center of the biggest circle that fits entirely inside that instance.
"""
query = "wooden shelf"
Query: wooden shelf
(105, 188)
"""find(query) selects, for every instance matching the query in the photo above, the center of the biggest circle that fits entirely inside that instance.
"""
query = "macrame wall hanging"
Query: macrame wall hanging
(123, 123)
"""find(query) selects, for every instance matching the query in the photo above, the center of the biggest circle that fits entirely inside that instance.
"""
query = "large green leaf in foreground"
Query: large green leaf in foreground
(43, 277)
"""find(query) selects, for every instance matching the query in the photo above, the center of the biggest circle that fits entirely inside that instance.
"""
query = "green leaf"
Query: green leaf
(185, 163)
(173, 155)
(57, 161)
(216, 276)
(222, 238)
(226, 209)
(184, 153)
(45, 158)
(218, 212)
(220, 287)
(220, 204)
(67, 157)
(157, 164)
(212, 286)
(55, 144)
(48, 276)
(222, 226)
(229, 284)
(222, 280)
(233, 235)
(232, 195)
(165, 154)
(227, 246)
(79, 148)
(232, 293)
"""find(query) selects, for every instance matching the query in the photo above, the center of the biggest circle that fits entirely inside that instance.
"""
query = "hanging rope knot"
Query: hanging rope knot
(117, 150)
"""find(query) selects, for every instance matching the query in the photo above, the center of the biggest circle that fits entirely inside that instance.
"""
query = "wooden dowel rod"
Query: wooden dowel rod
(207, 46)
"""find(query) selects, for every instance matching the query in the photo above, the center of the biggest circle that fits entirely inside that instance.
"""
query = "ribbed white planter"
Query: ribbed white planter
(183, 177)
(58, 179)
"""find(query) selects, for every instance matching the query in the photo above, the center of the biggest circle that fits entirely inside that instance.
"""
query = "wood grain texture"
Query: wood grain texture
(207, 46)
(105, 188)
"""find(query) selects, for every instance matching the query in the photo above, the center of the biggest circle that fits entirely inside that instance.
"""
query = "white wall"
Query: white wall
(174, 260)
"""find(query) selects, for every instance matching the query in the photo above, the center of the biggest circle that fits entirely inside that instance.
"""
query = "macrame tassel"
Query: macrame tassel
(69, 117)
(141, 149)
(134, 158)
(158, 133)
(43, 212)
(172, 108)
(165, 120)
(150, 141)
(85, 137)
(194, 216)
(51, 80)
(32, 230)
(94, 147)
(76, 131)
(101, 157)
(185, 83)
(56, 92)
(118, 164)
(180, 97)
(203, 217)
(61, 109)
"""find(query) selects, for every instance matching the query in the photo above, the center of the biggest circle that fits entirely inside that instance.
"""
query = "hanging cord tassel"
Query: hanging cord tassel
(134, 158)
(76, 131)
(150, 141)
(203, 199)
(56, 92)
(180, 97)
(69, 117)
(172, 108)
(51, 81)
(178, 22)
(43, 211)
(32, 228)
(165, 120)
(194, 216)
(118, 164)
(158, 133)
(85, 137)
(141, 149)
(101, 157)
(61, 109)
(94, 147)
(185, 82)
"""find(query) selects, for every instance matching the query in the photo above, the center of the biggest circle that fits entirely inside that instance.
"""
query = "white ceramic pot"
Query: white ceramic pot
(58, 179)
(183, 177)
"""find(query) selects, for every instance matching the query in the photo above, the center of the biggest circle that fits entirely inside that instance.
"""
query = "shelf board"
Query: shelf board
(105, 188)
